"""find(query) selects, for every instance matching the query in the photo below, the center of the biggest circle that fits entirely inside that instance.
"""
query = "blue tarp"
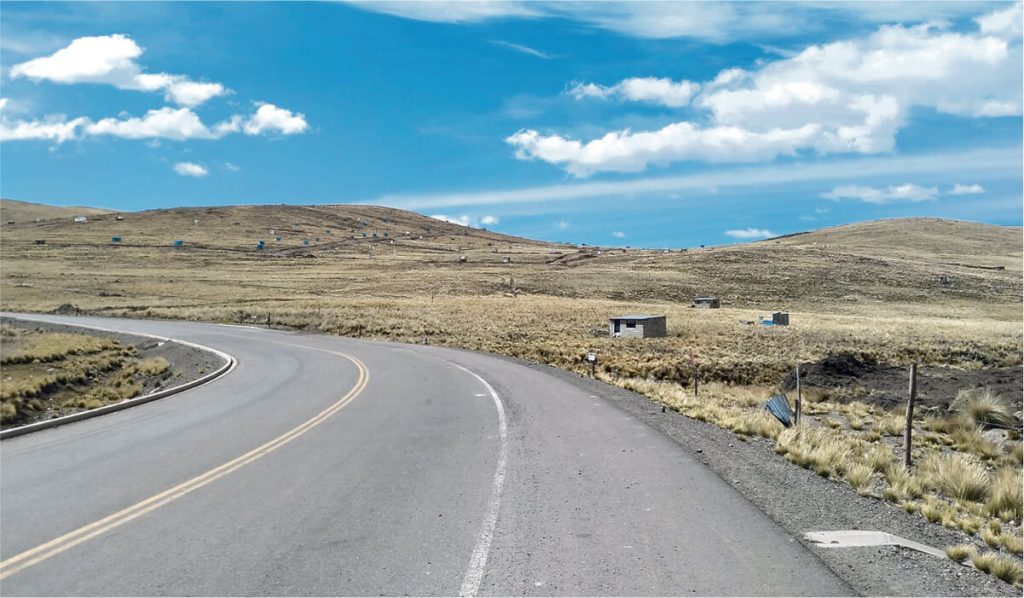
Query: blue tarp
(778, 406)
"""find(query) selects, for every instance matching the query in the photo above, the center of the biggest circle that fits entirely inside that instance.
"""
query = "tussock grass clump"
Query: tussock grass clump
(960, 552)
(823, 450)
(991, 538)
(859, 476)
(154, 366)
(961, 477)
(1006, 494)
(879, 458)
(980, 407)
(1012, 543)
(1006, 568)
(891, 424)
(903, 485)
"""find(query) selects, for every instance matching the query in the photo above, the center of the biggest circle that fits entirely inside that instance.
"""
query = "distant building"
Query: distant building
(637, 326)
(707, 302)
(80, 219)
(780, 318)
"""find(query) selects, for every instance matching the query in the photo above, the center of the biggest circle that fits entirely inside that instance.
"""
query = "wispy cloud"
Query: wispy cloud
(994, 161)
(619, 234)
(661, 91)
(959, 189)
(190, 169)
(490, 220)
(750, 233)
(562, 225)
(712, 21)
(893, 193)
(522, 49)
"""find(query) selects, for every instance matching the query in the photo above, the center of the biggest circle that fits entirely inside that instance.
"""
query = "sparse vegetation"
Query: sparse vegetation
(52, 373)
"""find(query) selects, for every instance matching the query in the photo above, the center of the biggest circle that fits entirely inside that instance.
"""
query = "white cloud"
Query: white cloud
(848, 96)
(461, 220)
(489, 220)
(229, 166)
(110, 59)
(893, 193)
(190, 169)
(562, 225)
(619, 234)
(177, 124)
(102, 59)
(270, 118)
(959, 189)
(625, 151)
(54, 128)
(1005, 23)
(522, 49)
(750, 233)
(164, 123)
(663, 91)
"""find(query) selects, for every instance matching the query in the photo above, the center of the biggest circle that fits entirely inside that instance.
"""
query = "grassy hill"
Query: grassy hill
(23, 211)
(938, 291)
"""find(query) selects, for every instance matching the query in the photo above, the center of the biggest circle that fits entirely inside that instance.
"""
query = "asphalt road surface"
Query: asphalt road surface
(331, 466)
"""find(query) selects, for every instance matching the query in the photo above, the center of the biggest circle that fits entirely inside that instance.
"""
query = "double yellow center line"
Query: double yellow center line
(69, 540)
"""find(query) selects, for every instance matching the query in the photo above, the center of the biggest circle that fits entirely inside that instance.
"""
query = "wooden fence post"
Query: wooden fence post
(799, 402)
(908, 429)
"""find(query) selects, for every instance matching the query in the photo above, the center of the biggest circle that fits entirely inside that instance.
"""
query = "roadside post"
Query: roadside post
(592, 360)
(799, 401)
(908, 429)
(696, 372)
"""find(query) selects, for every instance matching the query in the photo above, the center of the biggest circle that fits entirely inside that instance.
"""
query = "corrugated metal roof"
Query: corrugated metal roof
(635, 317)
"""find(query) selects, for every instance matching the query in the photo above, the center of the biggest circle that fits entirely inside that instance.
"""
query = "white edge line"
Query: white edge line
(229, 364)
(477, 562)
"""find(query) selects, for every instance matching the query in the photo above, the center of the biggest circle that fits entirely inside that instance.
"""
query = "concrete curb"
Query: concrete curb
(229, 364)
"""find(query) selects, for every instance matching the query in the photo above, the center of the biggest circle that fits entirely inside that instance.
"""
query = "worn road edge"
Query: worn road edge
(229, 364)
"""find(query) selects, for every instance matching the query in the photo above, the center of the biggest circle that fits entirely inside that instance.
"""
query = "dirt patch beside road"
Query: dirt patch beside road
(119, 367)
(853, 378)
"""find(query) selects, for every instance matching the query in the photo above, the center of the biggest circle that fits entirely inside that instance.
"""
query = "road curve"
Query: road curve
(332, 466)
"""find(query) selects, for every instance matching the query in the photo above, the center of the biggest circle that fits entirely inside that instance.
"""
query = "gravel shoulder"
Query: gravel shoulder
(801, 501)
(186, 363)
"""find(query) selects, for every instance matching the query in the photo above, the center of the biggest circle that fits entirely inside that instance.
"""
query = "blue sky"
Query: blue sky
(644, 124)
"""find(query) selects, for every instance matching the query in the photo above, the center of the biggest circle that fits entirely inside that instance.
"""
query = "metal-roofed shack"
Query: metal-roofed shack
(637, 326)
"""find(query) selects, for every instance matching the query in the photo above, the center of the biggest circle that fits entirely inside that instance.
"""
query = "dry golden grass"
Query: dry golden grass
(960, 552)
(153, 366)
(55, 372)
(958, 476)
(1006, 494)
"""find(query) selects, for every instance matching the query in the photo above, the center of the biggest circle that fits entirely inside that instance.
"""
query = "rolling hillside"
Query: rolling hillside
(377, 250)
(936, 292)
(23, 211)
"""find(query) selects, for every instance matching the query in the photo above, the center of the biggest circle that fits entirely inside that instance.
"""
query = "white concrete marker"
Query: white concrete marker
(475, 572)
(854, 538)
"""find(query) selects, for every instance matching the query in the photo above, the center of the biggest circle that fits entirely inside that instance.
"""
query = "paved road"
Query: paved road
(330, 466)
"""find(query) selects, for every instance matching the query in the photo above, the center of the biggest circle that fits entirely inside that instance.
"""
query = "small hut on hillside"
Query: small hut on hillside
(707, 302)
(637, 326)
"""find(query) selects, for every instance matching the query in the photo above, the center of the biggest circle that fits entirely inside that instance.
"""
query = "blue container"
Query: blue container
(179, 243)
(305, 241)
(277, 238)
(115, 239)
(260, 245)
